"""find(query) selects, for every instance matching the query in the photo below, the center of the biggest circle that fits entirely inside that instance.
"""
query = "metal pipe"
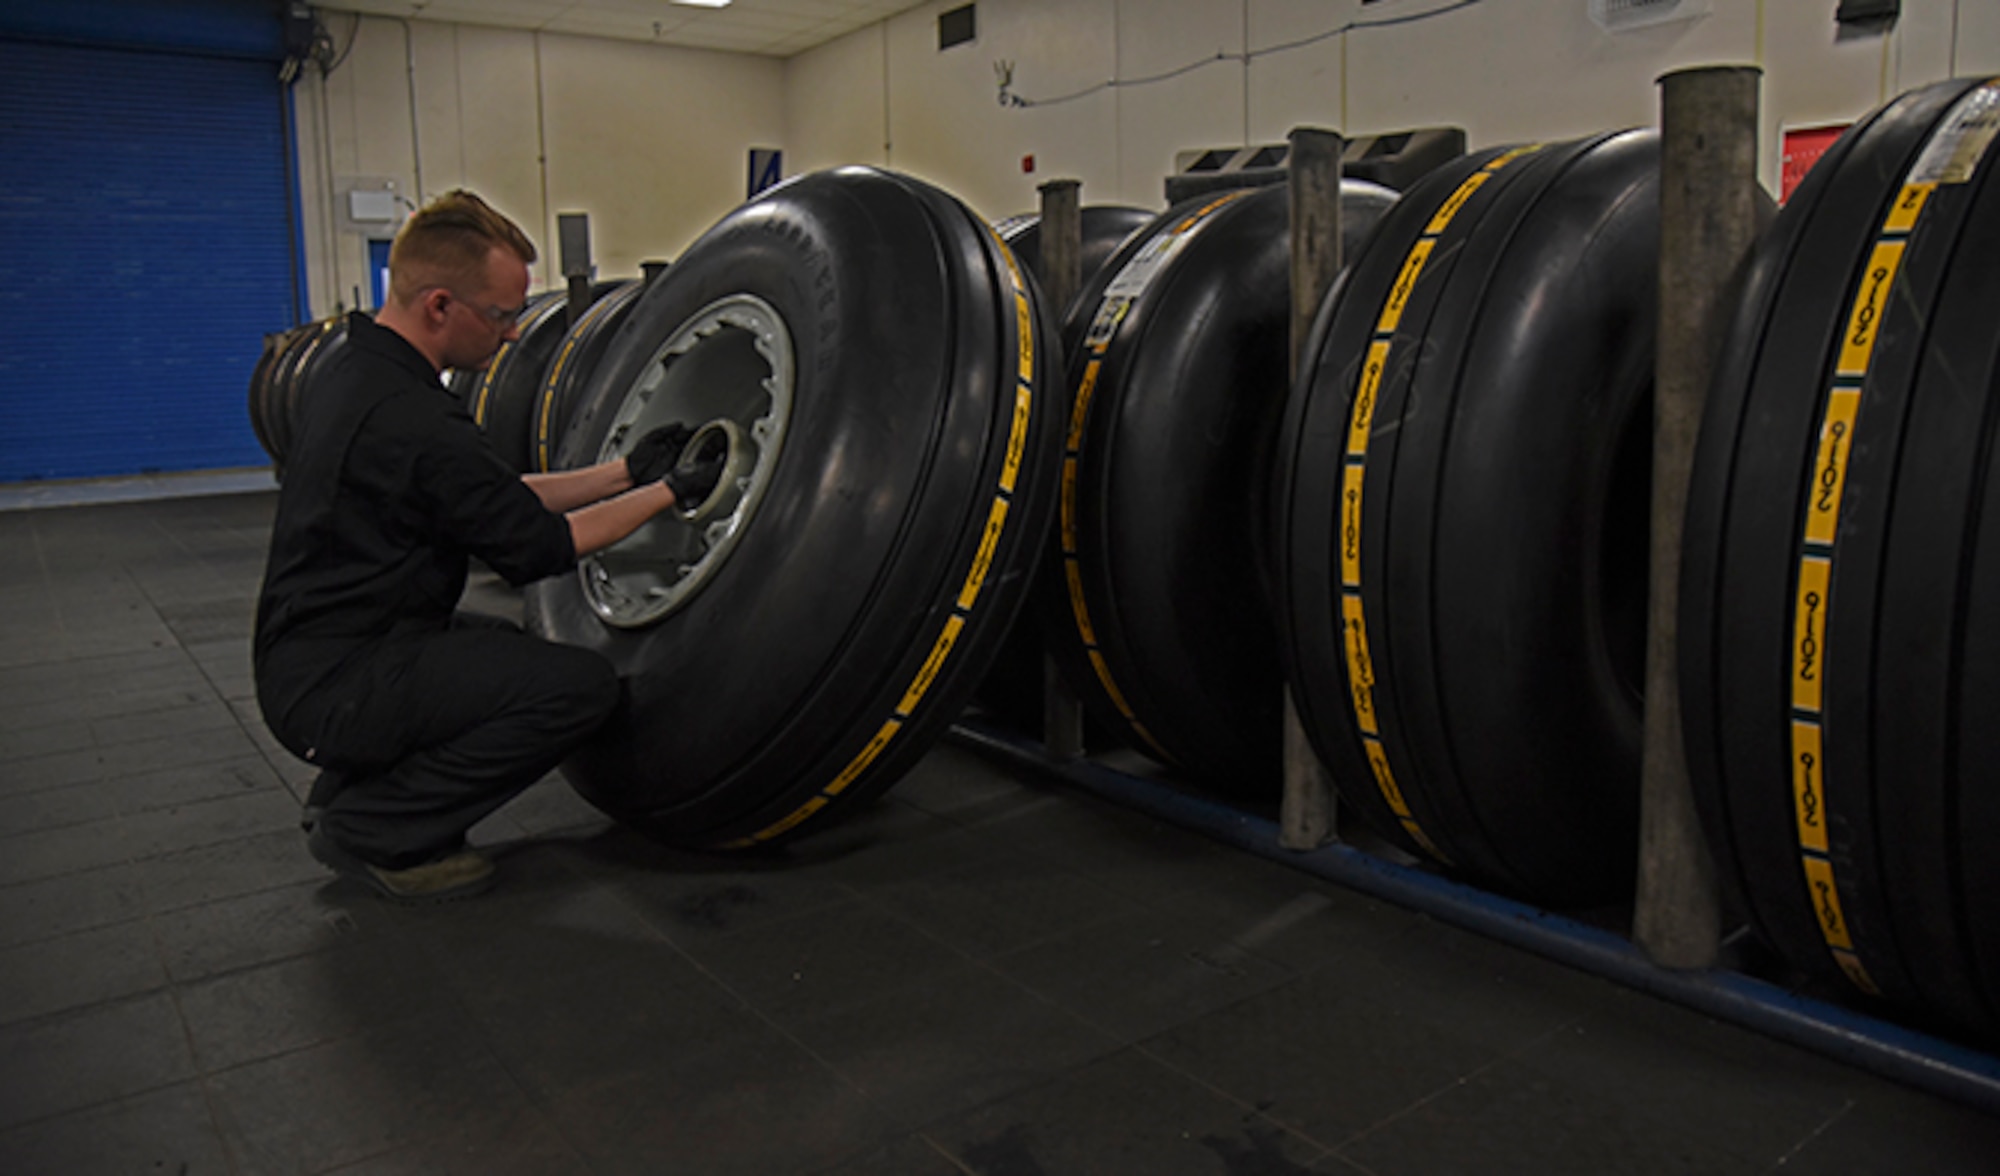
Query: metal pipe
(1062, 242)
(1708, 221)
(416, 145)
(1313, 167)
(1940, 1067)
(294, 207)
(1062, 278)
(327, 212)
(541, 132)
(1307, 811)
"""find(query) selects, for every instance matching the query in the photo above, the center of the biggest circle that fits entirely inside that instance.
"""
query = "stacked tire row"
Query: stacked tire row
(523, 399)
(569, 369)
(287, 366)
(1457, 514)
(526, 396)
(1013, 689)
(1159, 606)
(1437, 534)
(1203, 503)
(1464, 484)
(502, 396)
(1840, 632)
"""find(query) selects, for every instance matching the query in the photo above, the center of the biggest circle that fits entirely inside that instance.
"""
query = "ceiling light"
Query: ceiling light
(704, 3)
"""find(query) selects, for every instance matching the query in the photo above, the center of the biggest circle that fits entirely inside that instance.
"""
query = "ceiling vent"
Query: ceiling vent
(957, 26)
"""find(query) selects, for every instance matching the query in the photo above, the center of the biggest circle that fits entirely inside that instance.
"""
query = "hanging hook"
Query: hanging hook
(1003, 73)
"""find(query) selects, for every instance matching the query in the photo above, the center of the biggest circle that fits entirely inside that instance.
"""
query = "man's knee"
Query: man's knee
(583, 684)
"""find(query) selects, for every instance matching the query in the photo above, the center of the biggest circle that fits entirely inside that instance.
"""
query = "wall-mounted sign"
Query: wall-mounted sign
(1803, 147)
(767, 167)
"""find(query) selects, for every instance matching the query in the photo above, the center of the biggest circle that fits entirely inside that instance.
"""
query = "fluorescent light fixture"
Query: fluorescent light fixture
(704, 3)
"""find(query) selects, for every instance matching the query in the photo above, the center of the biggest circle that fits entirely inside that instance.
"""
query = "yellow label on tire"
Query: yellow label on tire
(1406, 283)
(1808, 799)
(932, 665)
(1909, 205)
(1826, 903)
(1360, 670)
(1836, 442)
(1363, 418)
(1864, 321)
(1350, 525)
(1017, 439)
(1456, 201)
(996, 521)
(1385, 778)
(1809, 633)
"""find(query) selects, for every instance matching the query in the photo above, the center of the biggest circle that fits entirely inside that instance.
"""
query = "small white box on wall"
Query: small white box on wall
(368, 206)
(376, 207)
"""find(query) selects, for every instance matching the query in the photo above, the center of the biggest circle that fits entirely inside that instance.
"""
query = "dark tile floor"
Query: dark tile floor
(986, 973)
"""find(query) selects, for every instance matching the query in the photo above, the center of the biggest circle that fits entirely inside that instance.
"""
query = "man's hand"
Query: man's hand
(657, 452)
(694, 478)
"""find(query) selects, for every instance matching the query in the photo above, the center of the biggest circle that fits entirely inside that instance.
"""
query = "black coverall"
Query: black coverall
(430, 719)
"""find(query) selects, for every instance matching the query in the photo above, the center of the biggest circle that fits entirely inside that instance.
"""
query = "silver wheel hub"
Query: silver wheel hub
(728, 373)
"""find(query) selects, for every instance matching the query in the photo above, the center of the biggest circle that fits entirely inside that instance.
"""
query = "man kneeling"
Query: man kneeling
(424, 719)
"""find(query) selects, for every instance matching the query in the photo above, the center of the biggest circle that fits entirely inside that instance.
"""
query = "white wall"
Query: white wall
(1505, 70)
(651, 141)
(836, 104)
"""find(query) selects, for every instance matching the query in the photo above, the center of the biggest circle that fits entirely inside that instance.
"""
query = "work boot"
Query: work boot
(456, 875)
(324, 786)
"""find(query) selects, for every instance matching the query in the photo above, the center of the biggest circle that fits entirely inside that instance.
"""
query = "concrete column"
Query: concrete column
(1061, 278)
(1709, 212)
(1306, 813)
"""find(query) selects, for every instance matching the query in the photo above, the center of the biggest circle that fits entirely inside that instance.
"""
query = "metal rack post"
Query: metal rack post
(1062, 277)
(1708, 221)
(1307, 812)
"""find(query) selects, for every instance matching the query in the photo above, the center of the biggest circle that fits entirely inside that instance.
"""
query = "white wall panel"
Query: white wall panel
(1815, 75)
(315, 194)
(835, 104)
(355, 124)
(1922, 43)
(653, 142)
(1505, 70)
(371, 104)
(947, 123)
(1976, 40)
(484, 136)
(1529, 69)
(1071, 48)
(1204, 107)
(1301, 85)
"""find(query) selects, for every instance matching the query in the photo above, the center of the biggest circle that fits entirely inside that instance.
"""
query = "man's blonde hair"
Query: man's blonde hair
(446, 243)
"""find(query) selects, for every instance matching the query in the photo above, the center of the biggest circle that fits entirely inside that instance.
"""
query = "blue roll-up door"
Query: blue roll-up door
(145, 248)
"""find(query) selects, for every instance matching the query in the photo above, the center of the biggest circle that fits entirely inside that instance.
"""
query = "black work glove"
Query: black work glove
(694, 478)
(657, 452)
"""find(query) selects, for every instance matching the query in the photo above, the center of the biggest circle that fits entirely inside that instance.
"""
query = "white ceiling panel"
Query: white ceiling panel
(777, 28)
